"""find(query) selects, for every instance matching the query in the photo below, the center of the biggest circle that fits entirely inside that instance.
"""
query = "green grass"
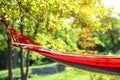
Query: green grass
(68, 74)
(72, 74)
(3, 73)
(16, 72)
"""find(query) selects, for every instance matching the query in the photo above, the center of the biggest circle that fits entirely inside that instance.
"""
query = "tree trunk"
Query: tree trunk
(21, 53)
(9, 58)
(21, 64)
(9, 54)
(28, 53)
(27, 65)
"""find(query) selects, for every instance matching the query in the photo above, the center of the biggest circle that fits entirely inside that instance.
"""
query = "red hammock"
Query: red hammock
(99, 64)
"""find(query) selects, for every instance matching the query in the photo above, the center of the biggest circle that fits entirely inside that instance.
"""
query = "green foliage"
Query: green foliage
(48, 17)
(60, 40)
(3, 59)
(50, 14)
(37, 59)
(3, 37)
(110, 39)
(2, 42)
(98, 41)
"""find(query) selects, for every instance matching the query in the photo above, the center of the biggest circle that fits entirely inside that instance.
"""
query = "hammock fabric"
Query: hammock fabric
(109, 65)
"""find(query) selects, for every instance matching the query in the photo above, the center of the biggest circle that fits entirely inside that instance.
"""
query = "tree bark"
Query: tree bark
(9, 58)
(21, 53)
(27, 65)
(9, 54)
(21, 64)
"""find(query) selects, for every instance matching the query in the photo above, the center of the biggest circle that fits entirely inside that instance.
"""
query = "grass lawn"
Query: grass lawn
(72, 74)
(16, 72)
(68, 74)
